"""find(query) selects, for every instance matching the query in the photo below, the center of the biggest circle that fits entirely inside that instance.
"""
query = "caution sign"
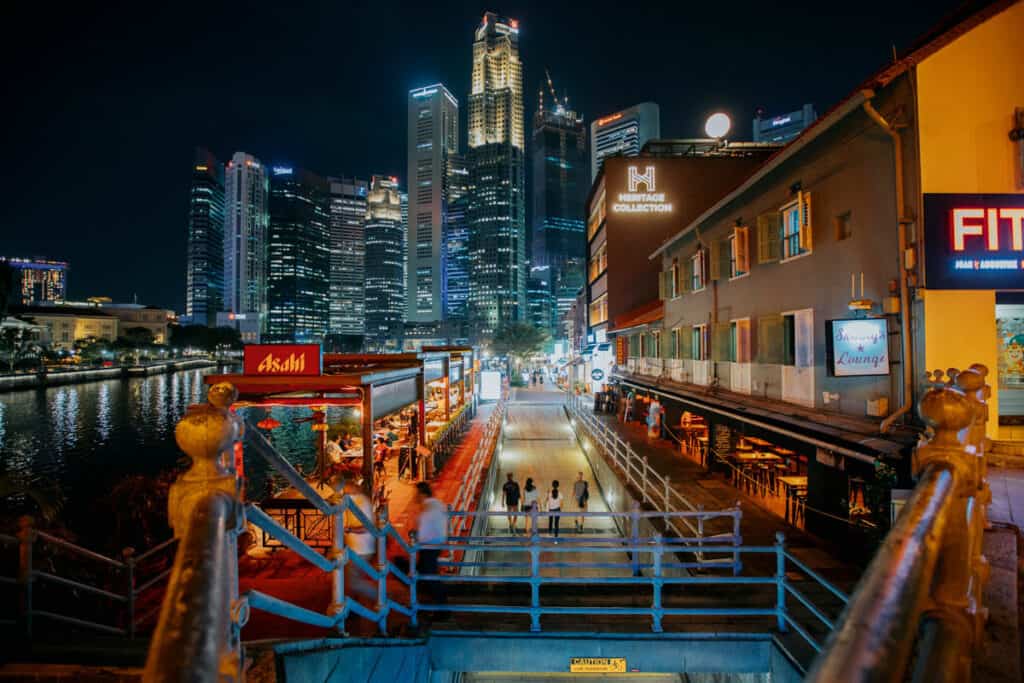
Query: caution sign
(597, 665)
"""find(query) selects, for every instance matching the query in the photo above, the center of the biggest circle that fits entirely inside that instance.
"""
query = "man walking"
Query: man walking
(431, 527)
(580, 494)
(510, 494)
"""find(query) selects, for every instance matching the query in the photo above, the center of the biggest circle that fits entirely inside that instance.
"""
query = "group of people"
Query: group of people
(527, 500)
(655, 413)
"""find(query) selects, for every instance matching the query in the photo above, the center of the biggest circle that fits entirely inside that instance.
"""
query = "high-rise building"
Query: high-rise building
(496, 211)
(204, 270)
(558, 194)
(433, 134)
(540, 299)
(246, 190)
(623, 133)
(455, 264)
(385, 265)
(348, 253)
(784, 127)
(298, 256)
(37, 280)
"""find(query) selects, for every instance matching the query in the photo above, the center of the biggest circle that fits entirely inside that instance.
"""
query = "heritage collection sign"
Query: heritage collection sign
(642, 195)
(857, 347)
(282, 360)
(974, 241)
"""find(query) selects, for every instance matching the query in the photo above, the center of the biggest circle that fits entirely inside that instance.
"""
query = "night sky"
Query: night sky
(105, 101)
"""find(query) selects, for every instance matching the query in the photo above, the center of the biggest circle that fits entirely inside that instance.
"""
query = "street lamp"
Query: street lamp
(717, 126)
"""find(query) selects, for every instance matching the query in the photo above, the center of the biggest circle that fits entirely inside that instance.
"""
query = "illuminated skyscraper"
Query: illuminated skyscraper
(496, 211)
(204, 269)
(558, 193)
(784, 127)
(623, 133)
(385, 265)
(433, 134)
(456, 240)
(246, 221)
(298, 257)
(38, 280)
(348, 252)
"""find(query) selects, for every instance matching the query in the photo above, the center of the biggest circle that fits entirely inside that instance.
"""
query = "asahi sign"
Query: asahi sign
(857, 347)
(642, 195)
(282, 360)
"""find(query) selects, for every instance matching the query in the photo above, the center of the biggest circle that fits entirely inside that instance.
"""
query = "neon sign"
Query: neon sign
(637, 201)
(974, 241)
(282, 170)
(282, 359)
(609, 119)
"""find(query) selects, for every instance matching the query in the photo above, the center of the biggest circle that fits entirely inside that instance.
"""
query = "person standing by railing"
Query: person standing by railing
(431, 528)
(580, 494)
(553, 504)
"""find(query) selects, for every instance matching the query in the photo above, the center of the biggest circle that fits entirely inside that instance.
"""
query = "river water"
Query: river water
(87, 437)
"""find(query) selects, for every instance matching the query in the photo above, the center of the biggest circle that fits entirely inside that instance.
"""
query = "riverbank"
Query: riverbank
(37, 380)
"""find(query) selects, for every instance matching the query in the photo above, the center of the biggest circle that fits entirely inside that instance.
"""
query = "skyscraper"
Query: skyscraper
(623, 133)
(245, 244)
(37, 280)
(784, 127)
(433, 134)
(558, 193)
(348, 253)
(298, 256)
(496, 211)
(204, 269)
(456, 240)
(385, 265)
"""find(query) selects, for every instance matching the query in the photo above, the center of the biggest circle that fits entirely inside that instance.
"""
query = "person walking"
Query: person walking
(360, 541)
(630, 406)
(530, 496)
(510, 495)
(581, 494)
(431, 528)
(553, 504)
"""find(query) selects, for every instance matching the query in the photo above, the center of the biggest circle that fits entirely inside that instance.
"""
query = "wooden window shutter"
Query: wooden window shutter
(687, 275)
(769, 234)
(716, 260)
(662, 294)
(743, 250)
(743, 341)
(666, 343)
(806, 230)
(771, 339)
(685, 342)
(724, 256)
(721, 342)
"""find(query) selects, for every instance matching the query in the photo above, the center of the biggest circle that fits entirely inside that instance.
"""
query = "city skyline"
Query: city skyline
(293, 118)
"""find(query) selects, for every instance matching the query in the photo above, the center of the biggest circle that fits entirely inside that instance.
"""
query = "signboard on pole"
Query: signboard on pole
(490, 385)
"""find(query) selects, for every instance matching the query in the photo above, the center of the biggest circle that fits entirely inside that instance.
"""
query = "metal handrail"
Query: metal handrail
(471, 480)
(928, 576)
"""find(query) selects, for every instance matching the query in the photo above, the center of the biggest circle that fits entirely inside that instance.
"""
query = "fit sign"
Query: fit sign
(974, 241)
(641, 195)
(282, 360)
(857, 347)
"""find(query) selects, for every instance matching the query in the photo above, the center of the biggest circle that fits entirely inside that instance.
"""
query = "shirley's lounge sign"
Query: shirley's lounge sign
(974, 241)
(858, 347)
(282, 360)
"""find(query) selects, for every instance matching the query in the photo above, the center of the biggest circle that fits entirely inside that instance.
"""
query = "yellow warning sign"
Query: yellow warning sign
(597, 665)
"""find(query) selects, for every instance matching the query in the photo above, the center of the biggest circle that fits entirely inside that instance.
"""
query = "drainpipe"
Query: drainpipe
(908, 372)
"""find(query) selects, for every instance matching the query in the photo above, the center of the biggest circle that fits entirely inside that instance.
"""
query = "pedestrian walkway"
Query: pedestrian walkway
(713, 491)
(1007, 496)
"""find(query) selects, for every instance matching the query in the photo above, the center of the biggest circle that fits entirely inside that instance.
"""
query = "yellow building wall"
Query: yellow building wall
(959, 330)
(967, 94)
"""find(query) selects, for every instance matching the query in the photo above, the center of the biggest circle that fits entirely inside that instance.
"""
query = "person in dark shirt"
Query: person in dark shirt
(510, 493)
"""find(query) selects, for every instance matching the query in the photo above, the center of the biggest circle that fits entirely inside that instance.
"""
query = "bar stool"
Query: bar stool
(764, 477)
(801, 503)
(780, 470)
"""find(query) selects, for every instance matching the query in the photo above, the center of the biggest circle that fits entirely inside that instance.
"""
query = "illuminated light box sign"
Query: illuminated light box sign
(974, 241)
(282, 360)
(642, 195)
(858, 347)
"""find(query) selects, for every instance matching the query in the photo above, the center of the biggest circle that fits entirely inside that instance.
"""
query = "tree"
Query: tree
(138, 336)
(518, 340)
(8, 288)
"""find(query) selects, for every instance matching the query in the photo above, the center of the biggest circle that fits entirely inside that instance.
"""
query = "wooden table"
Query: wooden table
(758, 457)
(794, 486)
(758, 442)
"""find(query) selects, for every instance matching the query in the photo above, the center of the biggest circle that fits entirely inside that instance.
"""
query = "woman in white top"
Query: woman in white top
(530, 496)
(554, 504)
